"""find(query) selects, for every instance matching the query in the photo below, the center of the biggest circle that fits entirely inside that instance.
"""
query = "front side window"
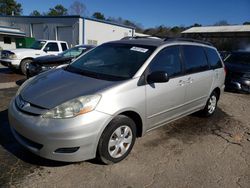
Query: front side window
(213, 58)
(194, 58)
(112, 61)
(52, 47)
(167, 60)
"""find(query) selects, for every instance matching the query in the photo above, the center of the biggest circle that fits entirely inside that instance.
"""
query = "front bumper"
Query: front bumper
(46, 136)
(13, 63)
(240, 84)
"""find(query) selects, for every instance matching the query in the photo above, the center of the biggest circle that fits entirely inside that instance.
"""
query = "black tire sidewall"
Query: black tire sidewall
(118, 121)
(23, 65)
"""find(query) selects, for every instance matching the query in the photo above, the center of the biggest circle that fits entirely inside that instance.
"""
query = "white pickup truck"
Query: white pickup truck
(19, 58)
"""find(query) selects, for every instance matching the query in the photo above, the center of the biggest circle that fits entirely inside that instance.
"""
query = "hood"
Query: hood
(51, 59)
(21, 50)
(53, 88)
(238, 67)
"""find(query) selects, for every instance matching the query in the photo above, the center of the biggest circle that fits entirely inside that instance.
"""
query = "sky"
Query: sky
(158, 12)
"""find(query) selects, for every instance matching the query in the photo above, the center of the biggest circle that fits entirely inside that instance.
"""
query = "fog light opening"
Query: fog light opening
(67, 150)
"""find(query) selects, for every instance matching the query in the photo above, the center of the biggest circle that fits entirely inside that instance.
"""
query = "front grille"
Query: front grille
(30, 109)
(28, 141)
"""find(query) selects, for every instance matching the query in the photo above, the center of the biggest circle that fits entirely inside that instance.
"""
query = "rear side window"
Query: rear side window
(213, 58)
(64, 46)
(194, 58)
(52, 47)
(167, 60)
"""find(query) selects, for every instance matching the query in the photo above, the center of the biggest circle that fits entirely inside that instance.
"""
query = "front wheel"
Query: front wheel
(117, 140)
(211, 105)
(24, 65)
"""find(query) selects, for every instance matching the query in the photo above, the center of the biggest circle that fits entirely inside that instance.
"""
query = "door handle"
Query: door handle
(181, 83)
(189, 80)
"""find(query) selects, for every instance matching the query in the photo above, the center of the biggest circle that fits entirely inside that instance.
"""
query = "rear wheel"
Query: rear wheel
(24, 65)
(211, 105)
(117, 140)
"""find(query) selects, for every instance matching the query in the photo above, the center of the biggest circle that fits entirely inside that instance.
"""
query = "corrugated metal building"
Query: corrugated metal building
(73, 29)
(219, 31)
(232, 37)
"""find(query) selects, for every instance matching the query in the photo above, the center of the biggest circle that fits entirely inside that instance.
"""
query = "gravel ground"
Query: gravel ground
(190, 152)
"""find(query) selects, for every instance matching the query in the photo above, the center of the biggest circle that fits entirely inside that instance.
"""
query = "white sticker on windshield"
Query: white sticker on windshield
(138, 49)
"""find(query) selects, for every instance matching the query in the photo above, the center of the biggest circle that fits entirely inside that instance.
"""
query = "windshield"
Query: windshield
(38, 45)
(238, 58)
(74, 52)
(112, 61)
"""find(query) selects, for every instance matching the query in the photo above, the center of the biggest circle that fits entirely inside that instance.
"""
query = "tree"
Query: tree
(98, 15)
(77, 8)
(9, 7)
(246, 23)
(58, 10)
(35, 13)
(221, 23)
(196, 25)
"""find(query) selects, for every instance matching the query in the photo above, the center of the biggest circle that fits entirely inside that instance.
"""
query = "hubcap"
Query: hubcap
(212, 104)
(120, 141)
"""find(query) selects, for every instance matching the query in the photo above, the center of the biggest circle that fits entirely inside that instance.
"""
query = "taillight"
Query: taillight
(225, 70)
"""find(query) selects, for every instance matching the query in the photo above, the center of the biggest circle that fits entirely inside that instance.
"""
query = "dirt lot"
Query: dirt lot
(191, 152)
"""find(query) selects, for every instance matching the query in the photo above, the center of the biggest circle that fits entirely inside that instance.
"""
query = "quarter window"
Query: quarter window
(213, 58)
(195, 59)
(52, 47)
(64, 46)
(167, 60)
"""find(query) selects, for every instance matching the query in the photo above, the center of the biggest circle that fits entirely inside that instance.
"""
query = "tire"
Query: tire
(114, 147)
(24, 64)
(211, 105)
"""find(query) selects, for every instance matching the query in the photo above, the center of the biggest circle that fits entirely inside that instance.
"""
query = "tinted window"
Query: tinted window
(74, 52)
(213, 58)
(239, 57)
(167, 60)
(52, 47)
(112, 61)
(195, 59)
(64, 46)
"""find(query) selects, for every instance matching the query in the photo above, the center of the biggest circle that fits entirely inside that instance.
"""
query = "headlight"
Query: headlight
(12, 56)
(74, 107)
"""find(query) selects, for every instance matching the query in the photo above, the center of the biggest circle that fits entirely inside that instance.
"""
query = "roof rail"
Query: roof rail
(140, 37)
(187, 40)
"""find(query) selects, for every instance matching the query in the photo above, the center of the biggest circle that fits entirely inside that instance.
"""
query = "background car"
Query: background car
(45, 63)
(20, 58)
(238, 71)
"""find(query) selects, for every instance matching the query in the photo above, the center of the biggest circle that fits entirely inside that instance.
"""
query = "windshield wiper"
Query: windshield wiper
(93, 74)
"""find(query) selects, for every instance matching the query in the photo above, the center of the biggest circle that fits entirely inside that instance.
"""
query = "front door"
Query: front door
(164, 101)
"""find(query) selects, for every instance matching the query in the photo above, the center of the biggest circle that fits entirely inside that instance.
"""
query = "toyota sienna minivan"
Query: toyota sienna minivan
(97, 106)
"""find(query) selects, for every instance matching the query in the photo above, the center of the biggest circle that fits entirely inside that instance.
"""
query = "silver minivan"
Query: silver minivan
(97, 106)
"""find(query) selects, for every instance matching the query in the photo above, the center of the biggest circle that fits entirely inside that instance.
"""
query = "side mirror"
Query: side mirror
(158, 77)
(46, 49)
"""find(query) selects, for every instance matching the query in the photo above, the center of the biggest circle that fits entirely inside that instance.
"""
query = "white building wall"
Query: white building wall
(97, 32)
(5, 46)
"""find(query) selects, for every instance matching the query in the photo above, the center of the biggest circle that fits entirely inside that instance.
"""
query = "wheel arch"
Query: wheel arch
(137, 119)
(217, 91)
